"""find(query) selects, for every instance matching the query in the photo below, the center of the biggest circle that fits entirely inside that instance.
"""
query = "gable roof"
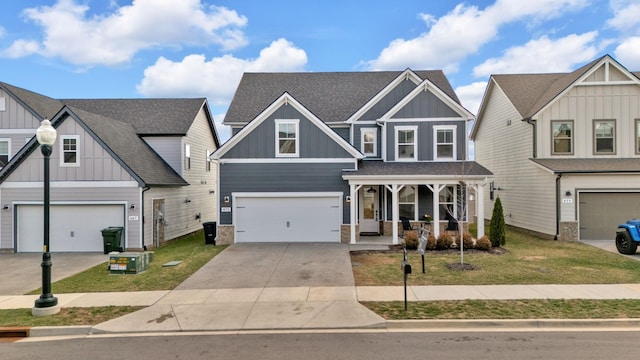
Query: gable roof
(119, 125)
(531, 93)
(331, 96)
(285, 99)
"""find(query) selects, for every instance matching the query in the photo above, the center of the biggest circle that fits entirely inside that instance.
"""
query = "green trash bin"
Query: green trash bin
(112, 239)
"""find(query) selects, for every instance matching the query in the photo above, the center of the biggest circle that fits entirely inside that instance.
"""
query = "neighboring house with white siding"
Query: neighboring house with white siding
(141, 164)
(335, 156)
(564, 149)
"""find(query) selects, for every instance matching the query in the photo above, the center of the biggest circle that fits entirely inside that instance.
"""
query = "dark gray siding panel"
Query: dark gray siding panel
(390, 100)
(282, 178)
(425, 105)
(425, 138)
(260, 143)
(344, 133)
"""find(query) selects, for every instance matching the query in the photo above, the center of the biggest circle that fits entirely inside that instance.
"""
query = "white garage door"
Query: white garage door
(73, 228)
(293, 218)
(601, 213)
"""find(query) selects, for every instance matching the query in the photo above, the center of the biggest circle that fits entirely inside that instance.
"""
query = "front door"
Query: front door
(369, 210)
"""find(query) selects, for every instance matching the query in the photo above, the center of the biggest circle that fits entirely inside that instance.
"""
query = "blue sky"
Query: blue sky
(200, 48)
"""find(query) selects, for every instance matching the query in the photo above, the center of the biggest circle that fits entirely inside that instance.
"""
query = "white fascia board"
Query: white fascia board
(411, 179)
(427, 85)
(70, 184)
(286, 194)
(285, 99)
(287, 161)
(407, 74)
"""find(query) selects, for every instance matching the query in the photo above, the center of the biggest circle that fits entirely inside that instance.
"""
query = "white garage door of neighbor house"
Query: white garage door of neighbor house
(288, 219)
(73, 228)
(601, 213)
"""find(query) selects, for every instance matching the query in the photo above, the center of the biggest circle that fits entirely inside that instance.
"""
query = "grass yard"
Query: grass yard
(527, 260)
(190, 249)
(66, 316)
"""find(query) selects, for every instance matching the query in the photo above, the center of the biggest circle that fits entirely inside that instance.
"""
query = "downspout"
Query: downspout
(142, 212)
(532, 122)
(557, 206)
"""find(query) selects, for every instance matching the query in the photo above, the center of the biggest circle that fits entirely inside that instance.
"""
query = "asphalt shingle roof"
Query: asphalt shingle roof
(331, 96)
(120, 123)
(603, 165)
(435, 168)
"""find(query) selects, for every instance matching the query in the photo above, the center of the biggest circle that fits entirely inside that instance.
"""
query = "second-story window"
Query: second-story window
(604, 137)
(445, 146)
(287, 138)
(5, 145)
(406, 149)
(369, 142)
(69, 147)
(187, 157)
(562, 137)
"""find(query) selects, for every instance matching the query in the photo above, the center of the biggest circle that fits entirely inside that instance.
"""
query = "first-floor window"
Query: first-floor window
(69, 146)
(637, 136)
(5, 144)
(604, 132)
(407, 202)
(447, 202)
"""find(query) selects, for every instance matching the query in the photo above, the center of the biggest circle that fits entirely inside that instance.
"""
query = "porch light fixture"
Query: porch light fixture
(5, 207)
(46, 304)
(133, 206)
(347, 199)
(568, 193)
(371, 190)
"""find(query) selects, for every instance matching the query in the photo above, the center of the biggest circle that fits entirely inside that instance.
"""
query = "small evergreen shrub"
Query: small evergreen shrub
(483, 243)
(411, 240)
(467, 240)
(497, 227)
(431, 242)
(444, 241)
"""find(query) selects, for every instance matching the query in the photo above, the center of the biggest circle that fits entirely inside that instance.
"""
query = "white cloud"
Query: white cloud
(217, 78)
(463, 31)
(542, 55)
(628, 53)
(224, 132)
(471, 95)
(115, 38)
(626, 15)
(20, 48)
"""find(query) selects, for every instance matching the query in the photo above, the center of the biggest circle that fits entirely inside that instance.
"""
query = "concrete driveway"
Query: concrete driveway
(22, 273)
(610, 246)
(260, 265)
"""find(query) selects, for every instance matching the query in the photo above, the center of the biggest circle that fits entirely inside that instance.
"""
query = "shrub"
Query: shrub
(444, 241)
(483, 243)
(497, 227)
(467, 240)
(431, 242)
(411, 240)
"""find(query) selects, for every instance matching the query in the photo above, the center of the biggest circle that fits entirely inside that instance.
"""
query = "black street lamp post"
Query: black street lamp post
(46, 304)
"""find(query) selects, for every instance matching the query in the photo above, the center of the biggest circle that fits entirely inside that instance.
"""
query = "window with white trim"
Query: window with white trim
(407, 199)
(637, 136)
(562, 137)
(208, 161)
(5, 155)
(604, 137)
(369, 141)
(444, 142)
(187, 156)
(287, 138)
(406, 146)
(69, 148)
(447, 199)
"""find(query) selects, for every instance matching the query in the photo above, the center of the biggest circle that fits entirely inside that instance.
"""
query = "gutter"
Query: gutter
(146, 188)
(558, 177)
(532, 122)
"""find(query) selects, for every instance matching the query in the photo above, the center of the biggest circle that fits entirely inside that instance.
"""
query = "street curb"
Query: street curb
(493, 324)
(513, 323)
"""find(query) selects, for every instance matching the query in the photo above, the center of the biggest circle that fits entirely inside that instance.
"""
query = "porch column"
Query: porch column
(435, 189)
(395, 213)
(480, 209)
(353, 210)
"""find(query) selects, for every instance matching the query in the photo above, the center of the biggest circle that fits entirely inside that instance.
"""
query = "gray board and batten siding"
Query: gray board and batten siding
(389, 100)
(282, 178)
(313, 142)
(425, 131)
(357, 138)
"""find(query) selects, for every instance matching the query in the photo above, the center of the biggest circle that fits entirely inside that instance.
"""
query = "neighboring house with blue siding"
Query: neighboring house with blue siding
(333, 156)
(141, 164)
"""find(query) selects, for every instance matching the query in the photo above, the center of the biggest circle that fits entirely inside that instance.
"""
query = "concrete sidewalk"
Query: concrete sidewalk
(287, 308)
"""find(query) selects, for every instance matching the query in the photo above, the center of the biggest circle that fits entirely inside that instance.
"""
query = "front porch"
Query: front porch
(381, 194)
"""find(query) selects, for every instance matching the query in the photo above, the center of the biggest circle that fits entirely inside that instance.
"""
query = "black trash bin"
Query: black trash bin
(112, 239)
(209, 232)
